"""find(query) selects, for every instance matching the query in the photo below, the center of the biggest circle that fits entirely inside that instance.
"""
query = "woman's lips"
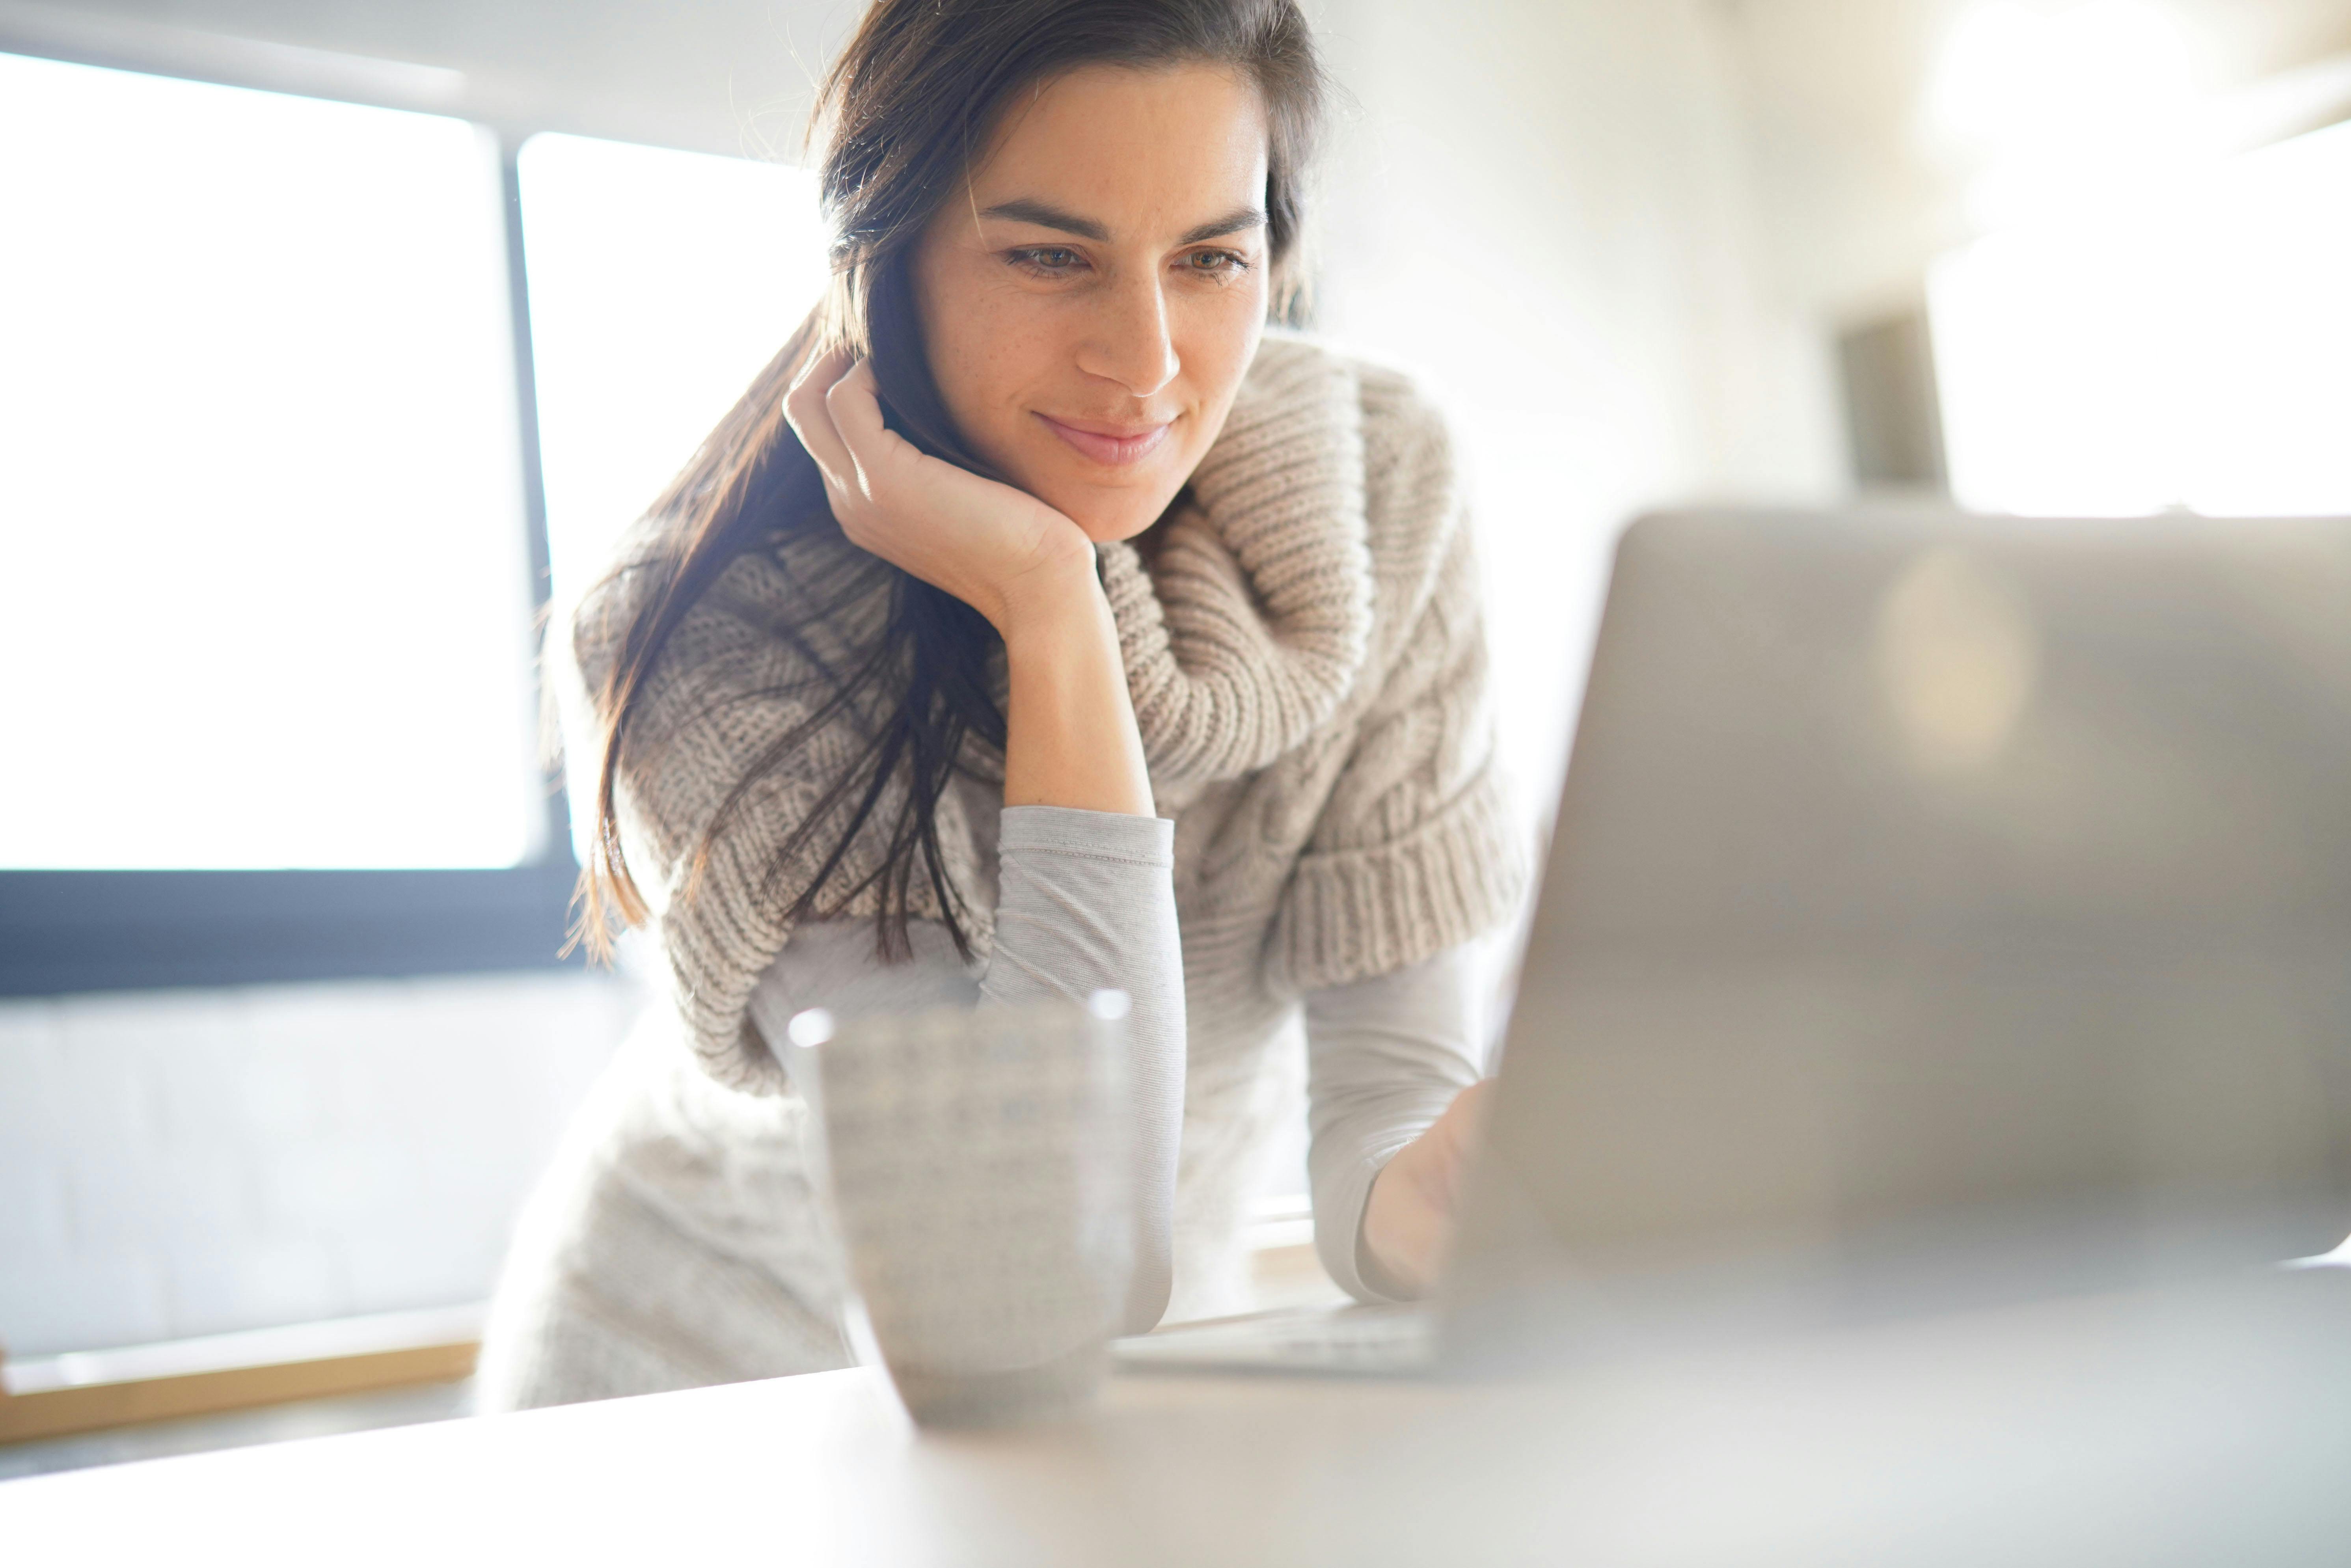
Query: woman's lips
(1116, 445)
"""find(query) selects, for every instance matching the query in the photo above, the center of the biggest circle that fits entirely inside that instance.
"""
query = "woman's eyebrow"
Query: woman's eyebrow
(1022, 210)
(1232, 223)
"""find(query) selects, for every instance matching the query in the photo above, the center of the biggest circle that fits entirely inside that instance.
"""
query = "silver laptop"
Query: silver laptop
(1939, 909)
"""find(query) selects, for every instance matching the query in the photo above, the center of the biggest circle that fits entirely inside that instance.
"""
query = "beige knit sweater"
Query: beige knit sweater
(1308, 666)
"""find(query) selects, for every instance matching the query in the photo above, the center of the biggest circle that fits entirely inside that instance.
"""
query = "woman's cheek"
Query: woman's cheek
(1234, 315)
(1020, 346)
(979, 375)
(1222, 340)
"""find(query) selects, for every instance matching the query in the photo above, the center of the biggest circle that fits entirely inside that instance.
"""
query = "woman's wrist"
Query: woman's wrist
(1049, 603)
(1071, 739)
(1051, 600)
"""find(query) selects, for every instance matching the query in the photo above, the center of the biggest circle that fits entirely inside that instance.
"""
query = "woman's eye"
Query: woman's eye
(1050, 261)
(1213, 263)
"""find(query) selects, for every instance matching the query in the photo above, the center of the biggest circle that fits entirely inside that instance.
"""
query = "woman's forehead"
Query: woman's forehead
(1175, 146)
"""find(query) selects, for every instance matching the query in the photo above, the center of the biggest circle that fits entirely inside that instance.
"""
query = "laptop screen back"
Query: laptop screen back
(1924, 878)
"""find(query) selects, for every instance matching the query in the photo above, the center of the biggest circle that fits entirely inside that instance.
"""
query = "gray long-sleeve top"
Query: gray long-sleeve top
(1086, 902)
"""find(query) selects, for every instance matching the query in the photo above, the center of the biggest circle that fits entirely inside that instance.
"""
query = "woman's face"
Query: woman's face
(1089, 305)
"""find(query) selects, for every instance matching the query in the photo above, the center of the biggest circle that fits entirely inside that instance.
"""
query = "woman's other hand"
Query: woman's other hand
(1408, 1222)
(998, 549)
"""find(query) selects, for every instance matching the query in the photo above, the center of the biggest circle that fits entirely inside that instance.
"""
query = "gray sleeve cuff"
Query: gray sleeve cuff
(1103, 835)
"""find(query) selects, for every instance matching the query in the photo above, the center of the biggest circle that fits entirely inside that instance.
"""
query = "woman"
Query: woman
(1036, 623)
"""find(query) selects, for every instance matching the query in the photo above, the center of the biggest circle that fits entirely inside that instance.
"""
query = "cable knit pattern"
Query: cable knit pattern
(1256, 617)
(1304, 643)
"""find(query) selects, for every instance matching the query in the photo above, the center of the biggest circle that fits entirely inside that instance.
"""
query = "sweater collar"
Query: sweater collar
(1253, 619)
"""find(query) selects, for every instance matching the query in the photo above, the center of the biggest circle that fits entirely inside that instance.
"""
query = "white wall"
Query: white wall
(1545, 208)
(176, 1164)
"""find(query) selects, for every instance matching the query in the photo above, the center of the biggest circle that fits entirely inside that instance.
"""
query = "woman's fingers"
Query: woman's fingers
(854, 399)
(854, 402)
(807, 411)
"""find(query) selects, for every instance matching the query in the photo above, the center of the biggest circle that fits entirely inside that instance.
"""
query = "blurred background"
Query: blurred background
(335, 335)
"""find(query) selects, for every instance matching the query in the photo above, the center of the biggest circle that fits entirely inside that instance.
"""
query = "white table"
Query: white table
(2211, 1427)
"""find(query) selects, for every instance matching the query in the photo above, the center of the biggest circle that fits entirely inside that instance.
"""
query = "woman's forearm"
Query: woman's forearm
(1084, 904)
(1070, 733)
(1087, 900)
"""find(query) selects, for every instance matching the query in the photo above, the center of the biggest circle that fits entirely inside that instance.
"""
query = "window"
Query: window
(267, 499)
(661, 282)
(271, 483)
(268, 599)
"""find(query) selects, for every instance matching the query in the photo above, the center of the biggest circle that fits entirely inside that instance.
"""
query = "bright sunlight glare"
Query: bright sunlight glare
(2050, 105)
(660, 283)
(2184, 349)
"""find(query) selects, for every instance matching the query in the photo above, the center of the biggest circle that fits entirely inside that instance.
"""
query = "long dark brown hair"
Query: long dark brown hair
(912, 98)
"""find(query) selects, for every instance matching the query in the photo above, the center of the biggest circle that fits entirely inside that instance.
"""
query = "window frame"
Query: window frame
(64, 932)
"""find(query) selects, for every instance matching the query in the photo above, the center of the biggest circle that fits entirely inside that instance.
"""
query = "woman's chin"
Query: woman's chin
(1108, 516)
(1115, 530)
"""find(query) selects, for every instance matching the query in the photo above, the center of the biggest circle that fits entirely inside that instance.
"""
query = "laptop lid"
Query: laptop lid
(1937, 907)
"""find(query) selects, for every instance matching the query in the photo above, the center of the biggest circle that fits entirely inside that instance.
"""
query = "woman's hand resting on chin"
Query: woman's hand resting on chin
(1001, 550)
(1070, 736)
(1408, 1223)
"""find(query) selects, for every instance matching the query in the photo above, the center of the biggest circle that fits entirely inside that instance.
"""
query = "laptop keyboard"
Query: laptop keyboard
(1384, 1340)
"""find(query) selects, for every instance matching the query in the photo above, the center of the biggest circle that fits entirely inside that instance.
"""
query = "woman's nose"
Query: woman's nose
(1130, 342)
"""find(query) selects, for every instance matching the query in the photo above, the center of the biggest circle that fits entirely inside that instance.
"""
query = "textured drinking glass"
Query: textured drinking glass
(984, 1186)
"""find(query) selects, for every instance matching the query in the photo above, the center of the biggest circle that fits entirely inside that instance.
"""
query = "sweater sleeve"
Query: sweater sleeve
(1384, 1056)
(1085, 903)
